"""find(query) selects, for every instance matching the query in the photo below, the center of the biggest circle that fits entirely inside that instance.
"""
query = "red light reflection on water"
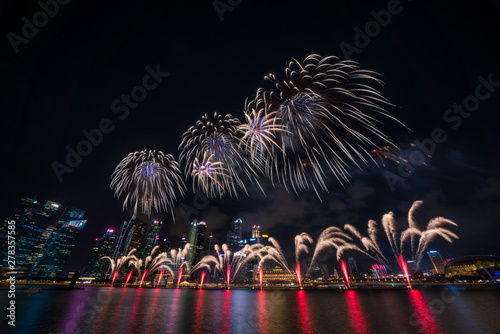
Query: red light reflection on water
(226, 312)
(262, 312)
(305, 321)
(423, 317)
(198, 312)
(357, 318)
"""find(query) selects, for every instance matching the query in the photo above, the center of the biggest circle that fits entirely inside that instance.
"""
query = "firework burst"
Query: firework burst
(330, 111)
(217, 137)
(149, 179)
(209, 175)
(260, 134)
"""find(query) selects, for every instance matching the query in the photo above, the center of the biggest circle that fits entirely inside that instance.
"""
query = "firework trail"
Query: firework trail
(369, 243)
(223, 261)
(336, 238)
(330, 111)
(273, 253)
(218, 137)
(149, 179)
(177, 258)
(118, 264)
(389, 224)
(412, 224)
(388, 153)
(154, 263)
(300, 245)
(435, 228)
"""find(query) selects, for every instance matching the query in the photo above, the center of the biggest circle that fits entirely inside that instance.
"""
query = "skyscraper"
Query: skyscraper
(437, 261)
(182, 241)
(238, 228)
(153, 238)
(233, 241)
(103, 246)
(352, 267)
(52, 258)
(131, 237)
(212, 241)
(200, 240)
(32, 223)
(192, 239)
(256, 231)
(256, 234)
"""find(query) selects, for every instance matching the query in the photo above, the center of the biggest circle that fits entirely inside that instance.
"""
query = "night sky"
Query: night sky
(64, 79)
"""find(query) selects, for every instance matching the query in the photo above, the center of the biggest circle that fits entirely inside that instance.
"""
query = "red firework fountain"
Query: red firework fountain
(128, 277)
(180, 277)
(404, 268)
(228, 275)
(114, 276)
(159, 278)
(202, 278)
(345, 273)
(261, 276)
(297, 272)
(142, 278)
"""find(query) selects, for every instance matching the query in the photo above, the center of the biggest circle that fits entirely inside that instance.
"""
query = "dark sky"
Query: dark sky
(64, 79)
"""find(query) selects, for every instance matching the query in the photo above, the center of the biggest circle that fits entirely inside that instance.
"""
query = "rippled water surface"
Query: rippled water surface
(131, 310)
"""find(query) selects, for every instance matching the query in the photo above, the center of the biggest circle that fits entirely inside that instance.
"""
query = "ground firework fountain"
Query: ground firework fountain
(179, 278)
(128, 277)
(143, 276)
(343, 267)
(161, 276)
(202, 278)
(297, 273)
(404, 268)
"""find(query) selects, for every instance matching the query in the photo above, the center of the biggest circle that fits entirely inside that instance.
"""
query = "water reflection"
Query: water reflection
(262, 312)
(305, 321)
(73, 311)
(198, 312)
(102, 310)
(423, 317)
(357, 318)
(226, 312)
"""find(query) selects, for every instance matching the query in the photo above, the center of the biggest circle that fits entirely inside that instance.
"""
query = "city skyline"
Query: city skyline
(143, 236)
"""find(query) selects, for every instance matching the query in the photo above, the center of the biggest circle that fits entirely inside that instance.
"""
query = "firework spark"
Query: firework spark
(260, 134)
(217, 137)
(330, 111)
(149, 179)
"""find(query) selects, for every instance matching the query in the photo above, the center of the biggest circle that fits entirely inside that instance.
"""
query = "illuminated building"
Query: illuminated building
(196, 238)
(182, 241)
(256, 231)
(324, 271)
(130, 237)
(238, 228)
(212, 241)
(57, 250)
(277, 276)
(379, 270)
(153, 238)
(30, 233)
(233, 241)
(486, 266)
(352, 268)
(437, 261)
(234, 237)
(103, 246)
(264, 239)
(200, 240)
